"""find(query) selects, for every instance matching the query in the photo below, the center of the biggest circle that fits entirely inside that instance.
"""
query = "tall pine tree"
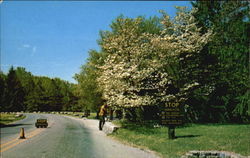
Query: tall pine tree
(14, 92)
(230, 76)
(2, 91)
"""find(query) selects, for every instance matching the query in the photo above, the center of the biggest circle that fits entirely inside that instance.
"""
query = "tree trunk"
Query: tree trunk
(111, 114)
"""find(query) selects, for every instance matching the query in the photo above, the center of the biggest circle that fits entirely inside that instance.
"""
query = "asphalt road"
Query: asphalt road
(65, 137)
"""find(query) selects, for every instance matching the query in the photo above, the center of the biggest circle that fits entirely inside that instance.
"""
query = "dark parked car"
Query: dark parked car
(41, 123)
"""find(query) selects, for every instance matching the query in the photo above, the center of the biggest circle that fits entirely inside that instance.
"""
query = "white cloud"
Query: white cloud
(26, 46)
(34, 49)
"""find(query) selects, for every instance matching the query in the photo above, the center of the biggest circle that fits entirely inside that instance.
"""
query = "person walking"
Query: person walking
(102, 115)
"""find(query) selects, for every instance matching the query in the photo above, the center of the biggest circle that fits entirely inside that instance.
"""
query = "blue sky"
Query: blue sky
(52, 38)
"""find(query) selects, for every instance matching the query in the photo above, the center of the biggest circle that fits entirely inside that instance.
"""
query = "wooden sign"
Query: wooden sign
(172, 114)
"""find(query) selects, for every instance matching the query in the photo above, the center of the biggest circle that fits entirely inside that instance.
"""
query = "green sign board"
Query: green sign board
(172, 114)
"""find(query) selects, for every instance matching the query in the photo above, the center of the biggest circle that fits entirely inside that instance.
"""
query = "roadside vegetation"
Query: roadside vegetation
(22, 91)
(220, 137)
(78, 114)
(199, 58)
(9, 118)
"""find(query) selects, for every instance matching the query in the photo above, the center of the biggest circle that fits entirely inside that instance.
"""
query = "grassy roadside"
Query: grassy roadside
(9, 118)
(92, 115)
(79, 114)
(232, 137)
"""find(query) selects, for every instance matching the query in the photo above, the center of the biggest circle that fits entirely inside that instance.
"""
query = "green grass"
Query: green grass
(92, 115)
(8, 118)
(232, 137)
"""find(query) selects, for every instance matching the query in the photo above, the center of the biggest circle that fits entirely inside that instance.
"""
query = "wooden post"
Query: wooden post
(171, 132)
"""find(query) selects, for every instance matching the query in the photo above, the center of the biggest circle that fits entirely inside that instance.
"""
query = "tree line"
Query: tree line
(22, 91)
(199, 58)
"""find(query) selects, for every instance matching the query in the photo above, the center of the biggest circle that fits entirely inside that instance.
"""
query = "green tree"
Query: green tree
(26, 80)
(34, 97)
(229, 47)
(65, 93)
(90, 97)
(20, 90)
(14, 92)
(142, 66)
(2, 91)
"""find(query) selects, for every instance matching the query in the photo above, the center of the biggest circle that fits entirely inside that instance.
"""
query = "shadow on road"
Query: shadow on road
(13, 125)
(188, 136)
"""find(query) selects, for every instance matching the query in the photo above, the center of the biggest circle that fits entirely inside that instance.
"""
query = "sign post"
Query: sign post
(172, 116)
(171, 132)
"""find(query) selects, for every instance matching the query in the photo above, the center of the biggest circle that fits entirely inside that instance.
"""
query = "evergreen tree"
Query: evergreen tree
(34, 97)
(229, 48)
(20, 90)
(26, 80)
(15, 92)
(2, 91)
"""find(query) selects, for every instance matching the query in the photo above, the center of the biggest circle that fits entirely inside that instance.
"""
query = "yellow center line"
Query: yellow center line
(15, 141)
(34, 133)
(2, 145)
(12, 145)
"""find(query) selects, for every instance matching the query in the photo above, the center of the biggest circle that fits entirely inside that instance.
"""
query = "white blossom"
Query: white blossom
(134, 73)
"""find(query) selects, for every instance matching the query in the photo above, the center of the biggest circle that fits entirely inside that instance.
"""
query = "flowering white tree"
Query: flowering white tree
(139, 68)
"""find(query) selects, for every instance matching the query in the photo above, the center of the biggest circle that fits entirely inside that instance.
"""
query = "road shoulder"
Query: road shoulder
(109, 140)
